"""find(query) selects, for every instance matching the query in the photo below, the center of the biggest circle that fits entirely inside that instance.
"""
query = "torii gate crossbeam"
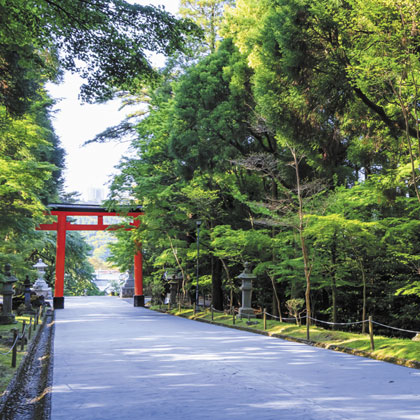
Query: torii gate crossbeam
(63, 225)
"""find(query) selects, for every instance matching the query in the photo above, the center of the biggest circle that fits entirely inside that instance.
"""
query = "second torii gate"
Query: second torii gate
(62, 226)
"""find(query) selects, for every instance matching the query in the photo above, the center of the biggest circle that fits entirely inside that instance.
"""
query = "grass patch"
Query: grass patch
(6, 370)
(386, 348)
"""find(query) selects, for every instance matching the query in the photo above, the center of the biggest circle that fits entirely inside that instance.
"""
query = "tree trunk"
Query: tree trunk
(274, 309)
(276, 300)
(216, 284)
(333, 281)
(229, 282)
(306, 262)
(364, 297)
(334, 300)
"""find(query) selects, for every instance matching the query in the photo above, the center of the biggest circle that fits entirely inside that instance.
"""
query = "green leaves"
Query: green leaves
(293, 143)
(105, 41)
(240, 245)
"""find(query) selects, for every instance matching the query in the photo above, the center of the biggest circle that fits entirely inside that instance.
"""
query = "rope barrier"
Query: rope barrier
(216, 310)
(395, 328)
(272, 316)
(318, 320)
(337, 323)
(283, 319)
(23, 337)
(11, 348)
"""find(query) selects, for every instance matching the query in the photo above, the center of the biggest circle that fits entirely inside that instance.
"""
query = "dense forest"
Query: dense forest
(292, 132)
(289, 128)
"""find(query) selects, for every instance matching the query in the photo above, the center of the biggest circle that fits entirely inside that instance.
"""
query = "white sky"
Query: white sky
(90, 166)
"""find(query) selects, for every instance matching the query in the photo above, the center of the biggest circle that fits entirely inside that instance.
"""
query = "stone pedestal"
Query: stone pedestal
(41, 287)
(246, 311)
(127, 290)
(58, 302)
(138, 300)
(7, 316)
(28, 305)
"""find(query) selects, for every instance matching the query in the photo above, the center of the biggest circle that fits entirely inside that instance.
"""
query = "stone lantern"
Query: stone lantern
(127, 290)
(172, 280)
(7, 316)
(246, 276)
(40, 287)
(28, 305)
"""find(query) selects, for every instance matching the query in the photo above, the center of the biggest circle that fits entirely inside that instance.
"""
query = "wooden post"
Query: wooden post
(36, 319)
(22, 337)
(212, 313)
(30, 329)
(372, 341)
(233, 317)
(194, 308)
(14, 351)
(179, 306)
(265, 319)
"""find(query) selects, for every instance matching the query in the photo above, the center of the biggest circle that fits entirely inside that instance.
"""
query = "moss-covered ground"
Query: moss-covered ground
(6, 334)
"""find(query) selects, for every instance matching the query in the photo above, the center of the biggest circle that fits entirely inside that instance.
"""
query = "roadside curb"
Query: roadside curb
(414, 364)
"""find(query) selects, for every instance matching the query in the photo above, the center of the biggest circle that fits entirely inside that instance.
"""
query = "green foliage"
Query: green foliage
(295, 142)
(208, 15)
(240, 245)
(30, 171)
(105, 41)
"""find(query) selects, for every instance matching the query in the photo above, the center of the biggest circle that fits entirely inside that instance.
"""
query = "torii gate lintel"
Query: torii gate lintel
(62, 226)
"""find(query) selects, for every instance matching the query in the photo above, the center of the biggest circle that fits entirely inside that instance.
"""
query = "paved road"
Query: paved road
(114, 361)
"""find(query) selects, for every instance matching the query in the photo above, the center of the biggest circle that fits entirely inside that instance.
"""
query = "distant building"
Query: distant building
(95, 195)
(108, 279)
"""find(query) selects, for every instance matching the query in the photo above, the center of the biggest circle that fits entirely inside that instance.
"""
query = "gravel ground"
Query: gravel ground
(114, 361)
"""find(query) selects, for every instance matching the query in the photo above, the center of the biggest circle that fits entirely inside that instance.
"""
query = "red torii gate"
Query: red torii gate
(62, 226)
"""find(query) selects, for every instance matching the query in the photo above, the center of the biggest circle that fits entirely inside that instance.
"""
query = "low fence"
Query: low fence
(369, 321)
(265, 314)
(24, 336)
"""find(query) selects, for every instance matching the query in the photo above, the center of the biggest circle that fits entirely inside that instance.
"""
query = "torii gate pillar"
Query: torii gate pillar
(138, 279)
(62, 226)
(60, 262)
(138, 273)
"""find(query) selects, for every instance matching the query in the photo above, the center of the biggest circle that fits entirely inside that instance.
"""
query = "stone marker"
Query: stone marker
(246, 311)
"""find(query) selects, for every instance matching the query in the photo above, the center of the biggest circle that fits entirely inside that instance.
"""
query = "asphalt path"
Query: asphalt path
(115, 361)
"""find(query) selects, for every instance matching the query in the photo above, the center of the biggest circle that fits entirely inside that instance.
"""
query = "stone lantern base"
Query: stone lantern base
(7, 319)
(45, 292)
(127, 290)
(246, 313)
